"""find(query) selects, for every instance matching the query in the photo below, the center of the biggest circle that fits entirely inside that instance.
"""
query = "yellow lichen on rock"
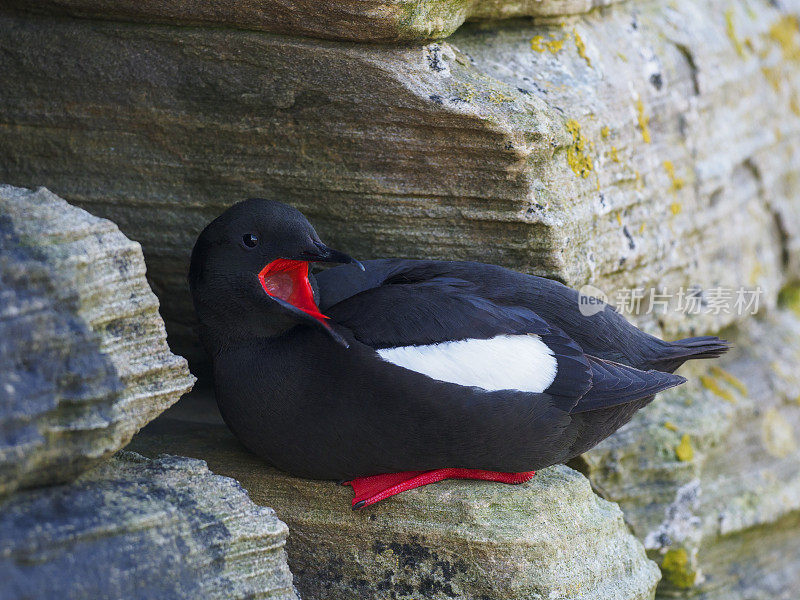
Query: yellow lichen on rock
(777, 434)
(554, 45)
(539, 44)
(676, 182)
(773, 77)
(713, 386)
(684, 451)
(756, 272)
(644, 120)
(730, 28)
(498, 97)
(729, 378)
(580, 162)
(794, 105)
(581, 47)
(785, 31)
(465, 91)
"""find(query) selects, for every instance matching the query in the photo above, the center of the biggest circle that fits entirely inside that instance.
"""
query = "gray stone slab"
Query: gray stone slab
(139, 528)
(708, 476)
(548, 538)
(374, 21)
(83, 351)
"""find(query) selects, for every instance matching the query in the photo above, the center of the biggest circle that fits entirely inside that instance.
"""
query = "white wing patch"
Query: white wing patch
(504, 362)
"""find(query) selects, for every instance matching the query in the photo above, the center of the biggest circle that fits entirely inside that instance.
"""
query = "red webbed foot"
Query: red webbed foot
(372, 489)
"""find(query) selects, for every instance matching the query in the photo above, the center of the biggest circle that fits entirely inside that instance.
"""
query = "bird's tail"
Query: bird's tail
(614, 384)
(680, 351)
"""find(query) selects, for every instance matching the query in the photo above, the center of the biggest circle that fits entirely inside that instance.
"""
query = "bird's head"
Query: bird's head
(249, 271)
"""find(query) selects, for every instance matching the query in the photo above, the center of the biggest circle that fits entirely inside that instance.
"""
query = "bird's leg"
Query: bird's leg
(372, 489)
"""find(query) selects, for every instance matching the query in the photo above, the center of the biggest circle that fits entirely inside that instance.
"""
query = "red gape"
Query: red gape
(369, 490)
(288, 280)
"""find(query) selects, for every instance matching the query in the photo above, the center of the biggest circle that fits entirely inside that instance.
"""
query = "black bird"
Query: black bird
(409, 370)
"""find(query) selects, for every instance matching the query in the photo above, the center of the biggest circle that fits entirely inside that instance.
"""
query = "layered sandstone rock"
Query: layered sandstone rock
(83, 351)
(709, 475)
(548, 538)
(136, 528)
(382, 21)
(627, 147)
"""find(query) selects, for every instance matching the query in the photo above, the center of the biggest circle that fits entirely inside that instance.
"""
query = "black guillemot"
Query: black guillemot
(397, 373)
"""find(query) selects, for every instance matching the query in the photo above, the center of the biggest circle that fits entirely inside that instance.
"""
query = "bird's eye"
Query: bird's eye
(250, 240)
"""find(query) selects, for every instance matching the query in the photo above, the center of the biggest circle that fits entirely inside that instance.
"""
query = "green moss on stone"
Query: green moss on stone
(789, 297)
(676, 568)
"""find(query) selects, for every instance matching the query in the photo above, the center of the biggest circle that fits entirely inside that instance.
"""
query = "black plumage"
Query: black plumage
(313, 397)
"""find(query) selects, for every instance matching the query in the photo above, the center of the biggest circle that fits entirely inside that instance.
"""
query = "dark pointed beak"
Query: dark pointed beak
(321, 253)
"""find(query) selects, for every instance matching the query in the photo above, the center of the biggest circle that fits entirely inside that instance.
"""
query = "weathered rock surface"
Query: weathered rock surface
(627, 147)
(708, 476)
(549, 538)
(136, 528)
(83, 351)
(382, 21)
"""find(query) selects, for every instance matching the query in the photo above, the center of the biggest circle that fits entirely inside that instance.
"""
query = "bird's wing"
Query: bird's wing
(600, 332)
(441, 327)
(476, 330)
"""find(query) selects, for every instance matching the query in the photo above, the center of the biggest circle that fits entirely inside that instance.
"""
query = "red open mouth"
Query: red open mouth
(288, 280)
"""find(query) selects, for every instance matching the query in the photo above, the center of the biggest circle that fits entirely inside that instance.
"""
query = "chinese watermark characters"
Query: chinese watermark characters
(689, 301)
